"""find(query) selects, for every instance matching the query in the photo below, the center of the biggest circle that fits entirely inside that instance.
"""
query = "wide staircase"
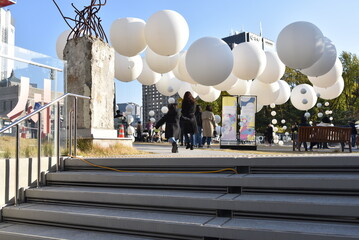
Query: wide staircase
(254, 198)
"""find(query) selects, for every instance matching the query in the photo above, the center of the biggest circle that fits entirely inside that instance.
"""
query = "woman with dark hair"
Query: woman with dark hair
(188, 119)
(172, 131)
(198, 135)
(209, 124)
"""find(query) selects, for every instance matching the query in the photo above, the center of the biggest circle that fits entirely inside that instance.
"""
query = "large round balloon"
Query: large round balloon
(300, 45)
(330, 77)
(127, 69)
(227, 84)
(274, 68)
(209, 61)
(182, 69)
(303, 97)
(186, 87)
(284, 93)
(325, 62)
(159, 63)
(331, 92)
(61, 43)
(168, 84)
(266, 93)
(201, 89)
(147, 76)
(211, 96)
(241, 87)
(166, 32)
(127, 36)
(249, 60)
(217, 119)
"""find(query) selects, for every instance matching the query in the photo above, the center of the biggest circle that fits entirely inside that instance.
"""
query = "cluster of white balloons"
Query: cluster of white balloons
(209, 66)
(302, 45)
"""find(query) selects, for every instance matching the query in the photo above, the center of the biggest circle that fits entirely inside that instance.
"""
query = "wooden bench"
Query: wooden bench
(323, 134)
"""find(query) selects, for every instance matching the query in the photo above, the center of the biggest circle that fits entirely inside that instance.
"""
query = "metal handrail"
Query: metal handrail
(38, 111)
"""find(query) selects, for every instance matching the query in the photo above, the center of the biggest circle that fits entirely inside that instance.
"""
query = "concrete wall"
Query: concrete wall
(27, 175)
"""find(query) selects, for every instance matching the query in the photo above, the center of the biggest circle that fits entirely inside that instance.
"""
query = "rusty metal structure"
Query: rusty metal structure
(86, 22)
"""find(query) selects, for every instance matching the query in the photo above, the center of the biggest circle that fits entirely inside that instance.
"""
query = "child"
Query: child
(172, 131)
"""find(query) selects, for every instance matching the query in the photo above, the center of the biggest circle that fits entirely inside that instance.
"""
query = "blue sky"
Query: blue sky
(38, 23)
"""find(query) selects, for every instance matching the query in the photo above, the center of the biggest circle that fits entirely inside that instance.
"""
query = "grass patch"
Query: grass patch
(110, 151)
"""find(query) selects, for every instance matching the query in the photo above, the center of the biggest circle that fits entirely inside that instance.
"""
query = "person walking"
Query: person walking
(354, 132)
(198, 135)
(172, 131)
(188, 119)
(149, 128)
(209, 125)
(139, 131)
(269, 134)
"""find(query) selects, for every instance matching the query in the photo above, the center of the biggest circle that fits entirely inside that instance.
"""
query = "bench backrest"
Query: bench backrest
(324, 134)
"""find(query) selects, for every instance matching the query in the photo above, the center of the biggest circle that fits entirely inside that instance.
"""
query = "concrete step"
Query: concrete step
(298, 182)
(23, 231)
(288, 204)
(155, 223)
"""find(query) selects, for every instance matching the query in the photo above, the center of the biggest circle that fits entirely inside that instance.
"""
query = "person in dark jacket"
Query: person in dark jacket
(172, 130)
(354, 132)
(188, 119)
(198, 135)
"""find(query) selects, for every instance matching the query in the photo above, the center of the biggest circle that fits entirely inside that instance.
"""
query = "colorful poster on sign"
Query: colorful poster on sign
(248, 106)
(229, 118)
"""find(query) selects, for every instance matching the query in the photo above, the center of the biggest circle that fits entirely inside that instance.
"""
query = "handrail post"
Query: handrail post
(58, 138)
(38, 150)
(70, 132)
(75, 126)
(17, 156)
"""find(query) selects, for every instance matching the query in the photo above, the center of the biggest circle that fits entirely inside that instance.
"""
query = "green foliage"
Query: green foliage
(7, 153)
(84, 145)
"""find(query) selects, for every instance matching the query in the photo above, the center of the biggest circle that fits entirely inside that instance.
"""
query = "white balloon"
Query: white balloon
(282, 121)
(168, 84)
(182, 69)
(151, 113)
(127, 69)
(249, 60)
(148, 76)
(320, 114)
(130, 130)
(266, 93)
(284, 93)
(330, 77)
(297, 97)
(164, 109)
(209, 61)
(319, 105)
(171, 100)
(127, 36)
(272, 105)
(227, 84)
(217, 119)
(186, 87)
(212, 96)
(159, 63)
(300, 45)
(130, 119)
(286, 133)
(326, 104)
(273, 113)
(325, 62)
(274, 69)
(284, 127)
(61, 43)
(274, 121)
(241, 87)
(166, 32)
(331, 92)
(129, 108)
(152, 119)
(201, 89)
(280, 143)
(307, 114)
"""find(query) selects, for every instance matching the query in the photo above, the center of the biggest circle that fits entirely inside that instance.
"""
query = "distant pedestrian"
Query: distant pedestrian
(188, 119)
(354, 132)
(198, 135)
(209, 125)
(172, 131)
(139, 131)
(269, 134)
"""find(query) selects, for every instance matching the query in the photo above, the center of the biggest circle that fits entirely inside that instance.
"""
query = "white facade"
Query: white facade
(7, 35)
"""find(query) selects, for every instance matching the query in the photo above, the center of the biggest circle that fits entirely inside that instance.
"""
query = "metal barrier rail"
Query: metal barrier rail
(38, 112)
